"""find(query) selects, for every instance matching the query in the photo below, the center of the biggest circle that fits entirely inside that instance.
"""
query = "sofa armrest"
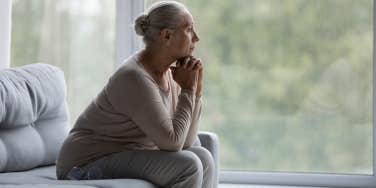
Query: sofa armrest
(210, 141)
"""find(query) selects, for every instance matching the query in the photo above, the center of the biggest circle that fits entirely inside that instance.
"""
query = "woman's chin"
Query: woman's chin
(191, 51)
(187, 53)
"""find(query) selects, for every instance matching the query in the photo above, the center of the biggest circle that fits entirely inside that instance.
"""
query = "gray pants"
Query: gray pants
(190, 168)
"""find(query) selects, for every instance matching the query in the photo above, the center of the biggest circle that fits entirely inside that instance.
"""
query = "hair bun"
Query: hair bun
(141, 24)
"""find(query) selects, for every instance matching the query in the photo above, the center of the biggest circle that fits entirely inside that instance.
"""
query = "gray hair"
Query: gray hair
(160, 15)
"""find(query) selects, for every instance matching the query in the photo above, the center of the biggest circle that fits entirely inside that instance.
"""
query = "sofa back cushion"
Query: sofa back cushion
(33, 116)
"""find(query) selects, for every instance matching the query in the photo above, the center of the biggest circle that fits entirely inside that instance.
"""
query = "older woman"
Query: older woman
(144, 123)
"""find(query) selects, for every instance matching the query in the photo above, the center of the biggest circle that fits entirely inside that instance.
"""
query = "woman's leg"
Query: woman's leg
(208, 165)
(162, 168)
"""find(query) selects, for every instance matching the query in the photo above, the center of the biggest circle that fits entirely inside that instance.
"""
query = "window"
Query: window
(76, 35)
(288, 84)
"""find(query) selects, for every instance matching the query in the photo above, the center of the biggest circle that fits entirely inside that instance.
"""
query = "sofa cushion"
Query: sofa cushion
(33, 116)
(46, 176)
(44, 186)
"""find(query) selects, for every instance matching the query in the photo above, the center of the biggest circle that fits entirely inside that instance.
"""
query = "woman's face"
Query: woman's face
(185, 38)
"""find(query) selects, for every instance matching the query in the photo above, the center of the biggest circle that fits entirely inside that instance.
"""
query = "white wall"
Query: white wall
(5, 30)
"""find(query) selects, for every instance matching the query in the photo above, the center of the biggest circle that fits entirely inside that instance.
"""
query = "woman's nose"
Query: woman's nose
(195, 37)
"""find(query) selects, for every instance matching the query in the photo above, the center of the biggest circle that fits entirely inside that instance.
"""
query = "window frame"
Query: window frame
(127, 43)
(127, 12)
(126, 40)
(5, 32)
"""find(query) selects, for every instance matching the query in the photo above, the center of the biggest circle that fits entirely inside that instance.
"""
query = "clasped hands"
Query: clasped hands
(188, 74)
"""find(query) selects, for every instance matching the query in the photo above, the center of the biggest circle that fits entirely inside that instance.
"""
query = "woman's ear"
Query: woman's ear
(166, 36)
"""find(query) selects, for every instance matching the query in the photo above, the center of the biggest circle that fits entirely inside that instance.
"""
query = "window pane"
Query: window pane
(288, 83)
(75, 35)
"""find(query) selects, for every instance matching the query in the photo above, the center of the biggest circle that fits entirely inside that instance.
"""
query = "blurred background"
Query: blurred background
(287, 87)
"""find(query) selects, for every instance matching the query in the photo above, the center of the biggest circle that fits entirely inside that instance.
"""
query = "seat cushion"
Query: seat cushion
(45, 186)
(33, 116)
(45, 176)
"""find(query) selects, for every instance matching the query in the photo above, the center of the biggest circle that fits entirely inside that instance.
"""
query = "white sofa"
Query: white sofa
(34, 123)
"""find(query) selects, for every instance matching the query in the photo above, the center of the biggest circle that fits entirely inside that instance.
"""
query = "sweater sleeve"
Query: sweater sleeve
(135, 95)
(193, 129)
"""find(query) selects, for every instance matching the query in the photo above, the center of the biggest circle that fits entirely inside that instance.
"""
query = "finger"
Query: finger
(186, 62)
(197, 75)
(181, 59)
(187, 59)
(173, 70)
(192, 65)
(180, 62)
(199, 60)
(200, 74)
(198, 65)
(193, 59)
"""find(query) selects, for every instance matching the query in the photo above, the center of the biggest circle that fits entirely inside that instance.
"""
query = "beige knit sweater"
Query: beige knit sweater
(132, 112)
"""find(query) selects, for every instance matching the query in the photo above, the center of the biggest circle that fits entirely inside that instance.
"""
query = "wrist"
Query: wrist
(198, 91)
(188, 90)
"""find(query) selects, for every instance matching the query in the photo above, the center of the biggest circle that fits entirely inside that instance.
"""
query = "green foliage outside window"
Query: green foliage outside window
(288, 83)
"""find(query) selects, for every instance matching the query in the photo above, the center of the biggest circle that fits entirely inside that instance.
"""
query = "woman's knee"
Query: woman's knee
(187, 170)
(205, 156)
(191, 161)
